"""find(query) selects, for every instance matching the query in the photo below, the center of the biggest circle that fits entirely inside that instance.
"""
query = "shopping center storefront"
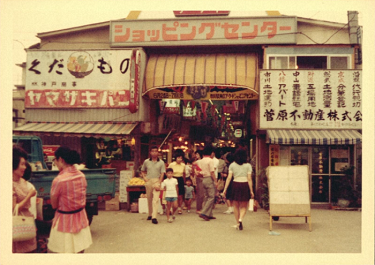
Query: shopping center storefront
(186, 82)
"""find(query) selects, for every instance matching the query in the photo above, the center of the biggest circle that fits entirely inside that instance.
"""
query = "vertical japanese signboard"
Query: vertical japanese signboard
(82, 79)
(274, 154)
(218, 31)
(311, 99)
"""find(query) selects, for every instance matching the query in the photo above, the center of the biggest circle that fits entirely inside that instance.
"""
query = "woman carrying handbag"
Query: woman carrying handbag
(21, 199)
(70, 232)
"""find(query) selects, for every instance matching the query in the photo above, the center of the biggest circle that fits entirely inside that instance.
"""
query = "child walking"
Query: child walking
(189, 194)
(170, 185)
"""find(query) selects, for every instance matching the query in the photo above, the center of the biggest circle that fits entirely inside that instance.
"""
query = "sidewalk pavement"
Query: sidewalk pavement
(125, 232)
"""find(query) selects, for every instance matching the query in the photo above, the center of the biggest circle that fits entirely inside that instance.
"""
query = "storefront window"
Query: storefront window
(284, 155)
(320, 162)
(299, 156)
(320, 188)
(339, 158)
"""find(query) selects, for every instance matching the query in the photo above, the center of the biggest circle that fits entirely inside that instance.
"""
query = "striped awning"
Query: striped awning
(314, 137)
(78, 129)
(222, 73)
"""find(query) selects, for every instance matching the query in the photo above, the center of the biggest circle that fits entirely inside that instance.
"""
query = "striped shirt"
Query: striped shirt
(70, 188)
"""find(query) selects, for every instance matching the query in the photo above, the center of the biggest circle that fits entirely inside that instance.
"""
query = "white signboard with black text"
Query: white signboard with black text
(78, 79)
(310, 99)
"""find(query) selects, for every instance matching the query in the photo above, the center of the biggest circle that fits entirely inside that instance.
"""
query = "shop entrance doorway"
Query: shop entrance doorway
(325, 164)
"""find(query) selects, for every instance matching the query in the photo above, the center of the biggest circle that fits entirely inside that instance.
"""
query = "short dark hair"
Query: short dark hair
(169, 170)
(28, 172)
(70, 156)
(18, 153)
(240, 157)
(208, 150)
(154, 147)
(200, 152)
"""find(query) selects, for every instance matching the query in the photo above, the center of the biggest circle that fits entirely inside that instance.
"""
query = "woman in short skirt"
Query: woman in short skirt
(242, 186)
(70, 232)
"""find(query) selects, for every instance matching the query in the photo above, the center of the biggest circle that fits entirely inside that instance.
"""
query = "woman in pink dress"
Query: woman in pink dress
(21, 196)
(70, 232)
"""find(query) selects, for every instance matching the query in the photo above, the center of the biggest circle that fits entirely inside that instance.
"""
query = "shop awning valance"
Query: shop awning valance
(78, 129)
(314, 137)
(223, 74)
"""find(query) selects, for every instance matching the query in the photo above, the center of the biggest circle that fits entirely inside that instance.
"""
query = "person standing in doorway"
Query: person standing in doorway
(153, 170)
(206, 164)
(199, 192)
(242, 186)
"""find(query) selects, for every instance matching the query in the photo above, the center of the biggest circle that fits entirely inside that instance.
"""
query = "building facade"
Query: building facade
(289, 88)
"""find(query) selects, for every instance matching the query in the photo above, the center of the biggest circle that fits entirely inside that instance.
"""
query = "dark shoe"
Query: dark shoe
(240, 226)
(211, 217)
(154, 221)
(204, 217)
(149, 218)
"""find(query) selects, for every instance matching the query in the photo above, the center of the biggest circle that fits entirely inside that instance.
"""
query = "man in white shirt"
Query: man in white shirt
(206, 164)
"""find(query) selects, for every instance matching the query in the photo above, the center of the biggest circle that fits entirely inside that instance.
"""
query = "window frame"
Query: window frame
(269, 56)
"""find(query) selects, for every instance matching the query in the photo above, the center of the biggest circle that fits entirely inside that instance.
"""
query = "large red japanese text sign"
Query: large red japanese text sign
(311, 99)
(218, 31)
(78, 79)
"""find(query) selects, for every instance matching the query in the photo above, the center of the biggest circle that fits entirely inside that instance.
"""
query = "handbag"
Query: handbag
(221, 185)
(251, 205)
(23, 227)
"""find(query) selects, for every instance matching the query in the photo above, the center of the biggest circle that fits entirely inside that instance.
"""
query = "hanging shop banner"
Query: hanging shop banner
(311, 99)
(169, 106)
(203, 31)
(203, 93)
(83, 79)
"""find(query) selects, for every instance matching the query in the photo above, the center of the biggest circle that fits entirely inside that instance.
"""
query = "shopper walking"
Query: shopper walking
(178, 167)
(242, 189)
(153, 170)
(228, 158)
(206, 164)
(170, 187)
(70, 232)
(198, 180)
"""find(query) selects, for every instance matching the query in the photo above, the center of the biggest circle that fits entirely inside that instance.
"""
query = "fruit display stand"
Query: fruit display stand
(134, 192)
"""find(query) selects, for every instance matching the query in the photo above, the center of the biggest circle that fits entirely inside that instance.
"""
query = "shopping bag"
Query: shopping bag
(23, 227)
(251, 205)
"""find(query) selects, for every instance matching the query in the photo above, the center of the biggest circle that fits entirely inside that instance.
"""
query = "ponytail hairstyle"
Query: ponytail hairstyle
(70, 156)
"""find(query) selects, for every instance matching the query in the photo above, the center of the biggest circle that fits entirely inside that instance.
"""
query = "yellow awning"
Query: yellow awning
(230, 76)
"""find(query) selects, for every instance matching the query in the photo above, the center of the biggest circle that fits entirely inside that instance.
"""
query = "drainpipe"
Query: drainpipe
(353, 26)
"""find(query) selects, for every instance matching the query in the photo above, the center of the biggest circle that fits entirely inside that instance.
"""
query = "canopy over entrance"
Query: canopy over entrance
(78, 129)
(227, 76)
(314, 137)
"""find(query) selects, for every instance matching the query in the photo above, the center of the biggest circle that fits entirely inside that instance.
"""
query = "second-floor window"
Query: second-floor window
(309, 62)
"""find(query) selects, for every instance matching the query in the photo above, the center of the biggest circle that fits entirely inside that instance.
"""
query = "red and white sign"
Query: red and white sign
(82, 79)
(50, 150)
(203, 31)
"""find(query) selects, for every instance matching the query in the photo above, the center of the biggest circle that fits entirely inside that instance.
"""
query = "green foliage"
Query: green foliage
(346, 188)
